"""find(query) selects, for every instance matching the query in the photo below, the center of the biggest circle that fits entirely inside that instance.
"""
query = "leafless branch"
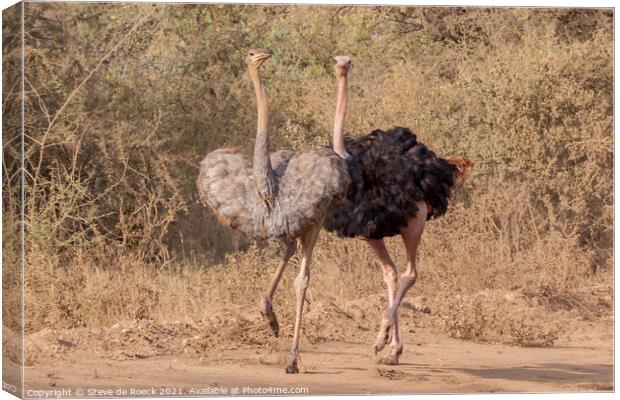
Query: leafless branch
(77, 89)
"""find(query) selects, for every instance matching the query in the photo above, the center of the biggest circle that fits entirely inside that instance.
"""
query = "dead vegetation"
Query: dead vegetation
(122, 101)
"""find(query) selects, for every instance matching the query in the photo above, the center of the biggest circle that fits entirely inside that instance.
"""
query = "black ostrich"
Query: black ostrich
(397, 184)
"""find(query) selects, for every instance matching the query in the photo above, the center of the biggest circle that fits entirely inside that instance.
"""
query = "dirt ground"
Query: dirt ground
(435, 365)
(233, 351)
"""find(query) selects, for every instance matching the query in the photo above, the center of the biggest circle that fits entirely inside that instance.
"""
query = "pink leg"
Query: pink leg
(412, 235)
(265, 306)
(390, 274)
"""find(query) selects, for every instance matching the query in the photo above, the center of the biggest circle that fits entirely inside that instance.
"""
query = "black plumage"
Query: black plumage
(390, 171)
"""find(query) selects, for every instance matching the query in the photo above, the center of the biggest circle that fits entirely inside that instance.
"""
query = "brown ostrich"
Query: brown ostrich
(279, 204)
(397, 184)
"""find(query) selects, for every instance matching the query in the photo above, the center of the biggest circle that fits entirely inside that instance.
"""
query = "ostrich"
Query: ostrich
(397, 184)
(280, 204)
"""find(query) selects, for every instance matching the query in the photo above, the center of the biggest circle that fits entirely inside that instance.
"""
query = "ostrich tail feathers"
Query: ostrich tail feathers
(463, 166)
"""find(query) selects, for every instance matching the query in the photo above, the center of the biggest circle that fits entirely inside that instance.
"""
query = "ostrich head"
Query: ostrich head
(343, 64)
(256, 57)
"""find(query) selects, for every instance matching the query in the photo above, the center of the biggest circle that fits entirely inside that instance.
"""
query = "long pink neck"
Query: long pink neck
(341, 112)
(263, 172)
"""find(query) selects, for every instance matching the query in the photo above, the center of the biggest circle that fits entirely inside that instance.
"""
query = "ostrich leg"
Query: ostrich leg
(412, 235)
(308, 240)
(288, 249)
(390, 274)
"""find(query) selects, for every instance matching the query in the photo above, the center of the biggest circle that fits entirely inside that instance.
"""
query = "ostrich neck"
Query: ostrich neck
(263, 173)
(341, 111)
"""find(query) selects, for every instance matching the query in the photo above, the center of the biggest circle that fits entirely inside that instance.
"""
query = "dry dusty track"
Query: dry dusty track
(431, 363)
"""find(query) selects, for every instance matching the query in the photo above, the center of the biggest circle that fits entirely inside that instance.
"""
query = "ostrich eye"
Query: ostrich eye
(251, 53)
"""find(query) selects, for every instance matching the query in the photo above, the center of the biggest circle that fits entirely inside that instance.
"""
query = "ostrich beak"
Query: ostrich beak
(265, 54)
(342, 61)
(343, 65)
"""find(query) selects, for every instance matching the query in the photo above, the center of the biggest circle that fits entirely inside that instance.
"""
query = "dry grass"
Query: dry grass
(498, 318)
(113, 228)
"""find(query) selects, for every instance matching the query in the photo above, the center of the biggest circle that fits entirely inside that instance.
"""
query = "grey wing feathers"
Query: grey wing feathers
(311, 182)
(224, 185)
(307, 184)
(279, 161)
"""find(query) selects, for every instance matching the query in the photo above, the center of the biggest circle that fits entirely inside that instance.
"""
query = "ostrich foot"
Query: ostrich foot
(392, 357)
(384, 335)
(269, 316)
(291, 367)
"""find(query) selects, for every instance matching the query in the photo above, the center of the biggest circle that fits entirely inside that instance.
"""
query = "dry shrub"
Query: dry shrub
(122, 102)
(555, 268)
(493, 318)
(84, 294)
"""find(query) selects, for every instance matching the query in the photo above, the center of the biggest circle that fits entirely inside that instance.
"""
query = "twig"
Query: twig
(10, 93)
(42, 104)
(148, 138)
(76, 90)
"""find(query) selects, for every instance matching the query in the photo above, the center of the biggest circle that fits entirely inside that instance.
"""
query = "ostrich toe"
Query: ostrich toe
(392, 357)
(384, 335)
(388, 359)
(291, 368)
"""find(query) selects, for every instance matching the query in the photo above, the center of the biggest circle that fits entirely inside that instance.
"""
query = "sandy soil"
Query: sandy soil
(232, 349)
(430, 363)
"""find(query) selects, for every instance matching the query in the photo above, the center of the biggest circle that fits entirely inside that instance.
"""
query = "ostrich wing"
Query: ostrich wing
(307, 187)
(226, 185)
(307, 183)
(279, 160)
